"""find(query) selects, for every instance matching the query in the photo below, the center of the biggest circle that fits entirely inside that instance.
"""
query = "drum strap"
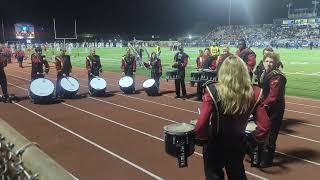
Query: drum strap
(214, 95)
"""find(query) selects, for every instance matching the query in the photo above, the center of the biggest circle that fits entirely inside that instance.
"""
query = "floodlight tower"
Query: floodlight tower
(289, 5)
(315, 2)
(230, 2)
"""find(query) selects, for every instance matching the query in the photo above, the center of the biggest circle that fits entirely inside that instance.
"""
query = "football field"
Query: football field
(301, 66)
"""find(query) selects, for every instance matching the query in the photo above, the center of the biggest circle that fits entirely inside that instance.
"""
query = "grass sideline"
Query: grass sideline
(301, 66)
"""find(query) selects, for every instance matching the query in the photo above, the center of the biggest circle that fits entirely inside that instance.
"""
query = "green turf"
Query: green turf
(306, 62)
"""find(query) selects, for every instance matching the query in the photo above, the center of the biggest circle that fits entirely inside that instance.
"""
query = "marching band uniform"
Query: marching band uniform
(225, 128)
(181, 61)
(3, 78)
(37, 63)
(156, 69)
(128, 67)
(20, 56)
(247, 55)
(93, 66)
(269, 116)
(63, 67)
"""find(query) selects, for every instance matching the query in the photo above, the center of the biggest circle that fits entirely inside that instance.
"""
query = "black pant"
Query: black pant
(36, 76)
(58, 84)
(3, 83)
(20, 60)
(178, 83)
(199, 90)
(215, 158)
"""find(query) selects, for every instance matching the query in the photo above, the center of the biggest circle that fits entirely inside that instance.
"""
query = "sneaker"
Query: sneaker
(177, 96)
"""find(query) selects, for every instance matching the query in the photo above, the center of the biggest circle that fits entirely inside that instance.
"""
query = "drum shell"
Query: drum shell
(172, 75)
(196, 76)
(96, 92)
(41, 99)
(172, 142)
(152, 90)
(209, 75)
(129, 89)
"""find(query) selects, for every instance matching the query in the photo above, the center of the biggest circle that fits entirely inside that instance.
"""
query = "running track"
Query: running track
(121, 136)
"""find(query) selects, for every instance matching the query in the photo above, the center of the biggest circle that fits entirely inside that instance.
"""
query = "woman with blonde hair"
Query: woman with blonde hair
(224, 112)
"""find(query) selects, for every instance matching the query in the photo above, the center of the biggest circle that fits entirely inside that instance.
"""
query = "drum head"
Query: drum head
(251, 126)
(148, 83)
(126, 81)
(179, 128)
(41, 87)
(207, 70)
(98, 83)
(70, 84)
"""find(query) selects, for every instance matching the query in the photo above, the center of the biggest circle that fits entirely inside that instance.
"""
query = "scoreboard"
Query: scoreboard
(302, 21)
(24, 31)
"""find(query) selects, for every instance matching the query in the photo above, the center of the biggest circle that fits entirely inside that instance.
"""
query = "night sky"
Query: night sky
(142, 16)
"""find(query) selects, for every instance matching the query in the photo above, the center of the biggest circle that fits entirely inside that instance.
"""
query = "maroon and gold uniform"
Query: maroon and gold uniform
(37, 63)
(20, 56)
(128, 65)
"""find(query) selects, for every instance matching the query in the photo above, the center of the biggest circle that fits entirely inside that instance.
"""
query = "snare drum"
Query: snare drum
(41, 90)
(126, 84)
(208, 74)
(172, 74)
(150, 87)
(69, 87)
(97, 86)
(179, 141)
(196, 76)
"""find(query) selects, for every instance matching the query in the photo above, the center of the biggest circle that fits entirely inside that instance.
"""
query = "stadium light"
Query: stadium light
(190, 37)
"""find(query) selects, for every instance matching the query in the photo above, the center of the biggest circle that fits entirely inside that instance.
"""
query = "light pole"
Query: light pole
(230, 2)
(4, 39)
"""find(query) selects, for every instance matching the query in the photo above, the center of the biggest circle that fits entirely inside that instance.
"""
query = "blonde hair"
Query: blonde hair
(234, 86)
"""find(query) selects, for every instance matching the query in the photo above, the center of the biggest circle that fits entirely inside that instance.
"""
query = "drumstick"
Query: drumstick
(69, 81)
(199, 110)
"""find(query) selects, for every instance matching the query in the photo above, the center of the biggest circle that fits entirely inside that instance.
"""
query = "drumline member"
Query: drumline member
(20, 55)
(37, 63)
(180, 62)
(247, 55)
(3, 78)
(199, 62)
(63, 67)
(158, 52)
(93, 65)
(260, 68)
(209, 62)
(154, 64)
(128, 66)
(225, 53)
(227, 105)
(7, 54)
(269, 113)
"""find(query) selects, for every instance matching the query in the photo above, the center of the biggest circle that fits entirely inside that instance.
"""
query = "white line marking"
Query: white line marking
(301, 159)
(303, 105)
(299, 137)
(302, 112)
(93, 143)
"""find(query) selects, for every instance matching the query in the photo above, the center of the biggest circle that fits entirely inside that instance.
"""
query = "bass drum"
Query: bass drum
(126, 85)
(69, 87)
(97, 86)
(150, 87)
(41, 91)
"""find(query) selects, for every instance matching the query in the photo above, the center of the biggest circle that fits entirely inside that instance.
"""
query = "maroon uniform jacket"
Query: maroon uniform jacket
(231, 127)
(248, 56)
(128, 64)
(271, 109)
(20, 54)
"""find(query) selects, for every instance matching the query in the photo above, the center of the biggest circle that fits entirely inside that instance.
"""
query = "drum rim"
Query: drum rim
(178, 133)
(73, 79)
(47, 94)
